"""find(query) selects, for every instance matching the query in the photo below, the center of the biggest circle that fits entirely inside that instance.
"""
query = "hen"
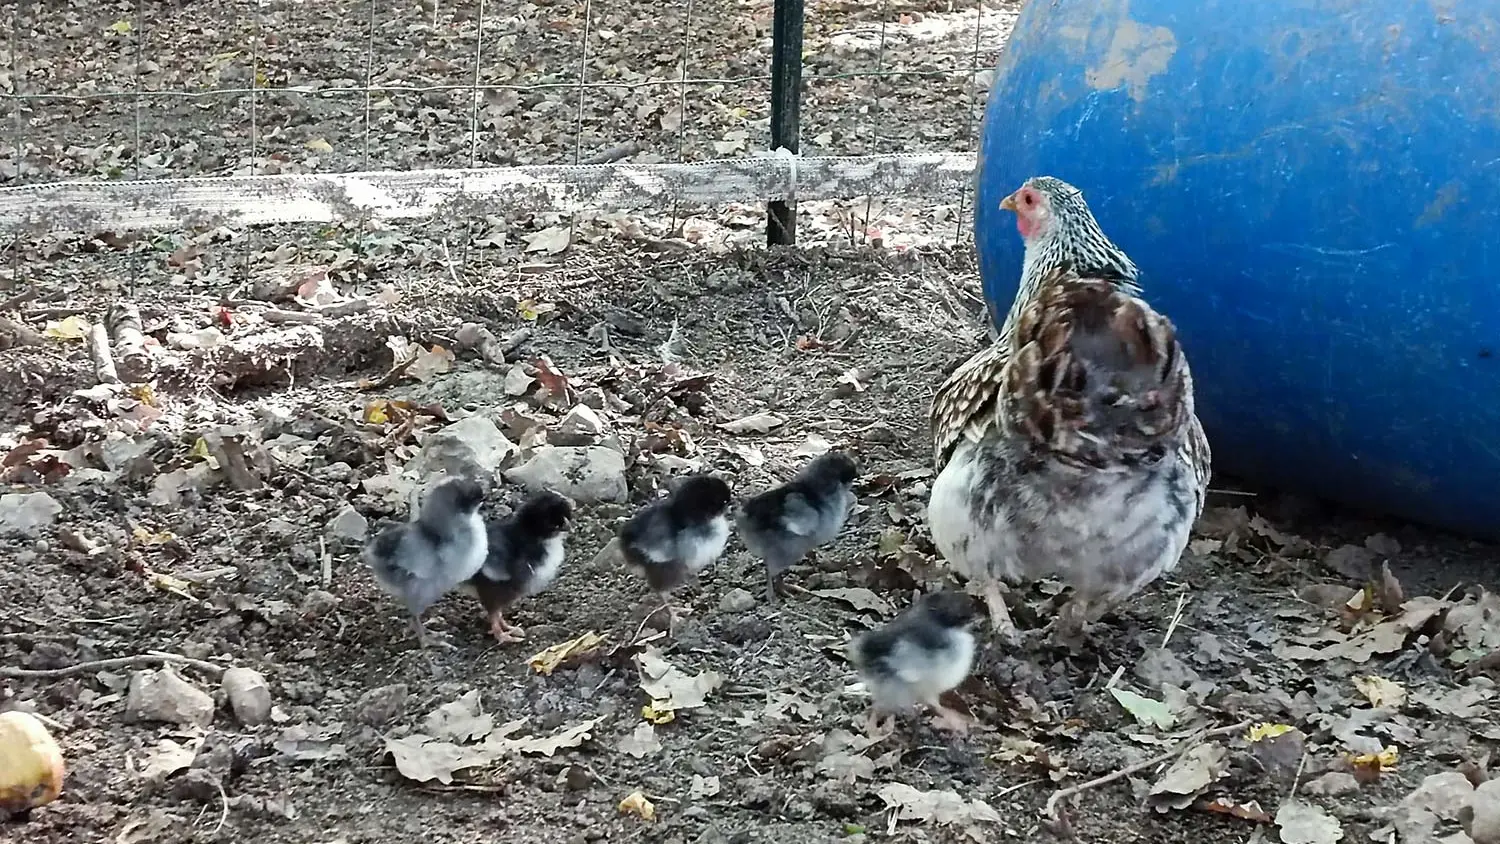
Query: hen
(1069, 448)
(424, 559)
(525, 554)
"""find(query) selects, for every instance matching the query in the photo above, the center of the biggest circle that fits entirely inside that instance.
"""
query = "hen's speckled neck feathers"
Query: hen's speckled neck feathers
(965, 403)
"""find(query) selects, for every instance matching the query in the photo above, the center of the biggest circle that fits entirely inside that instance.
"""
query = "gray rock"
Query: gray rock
(379, 707)
(581, 421)
(248, 694)
(164, 696)
(1481, 819)
(736, 600)
(28, 512)
(583, 473)
(1335, 784)
(349, 524)
(470, 445)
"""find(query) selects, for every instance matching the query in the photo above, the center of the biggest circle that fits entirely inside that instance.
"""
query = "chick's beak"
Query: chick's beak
(1008, 203)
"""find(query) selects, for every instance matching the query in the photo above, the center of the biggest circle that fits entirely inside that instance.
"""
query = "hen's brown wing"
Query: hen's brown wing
(964, 405)
(1097, 378)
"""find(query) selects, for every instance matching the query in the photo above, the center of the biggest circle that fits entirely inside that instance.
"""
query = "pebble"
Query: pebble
(318, 603)
(1334, 784)
(1483, 818)
(28, 512)
(736, 600)
(379, 707)
(349, 524)
(248, 694)
(164, 696)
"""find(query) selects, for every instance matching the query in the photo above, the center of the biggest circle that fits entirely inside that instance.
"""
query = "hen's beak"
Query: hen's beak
(1008, 203)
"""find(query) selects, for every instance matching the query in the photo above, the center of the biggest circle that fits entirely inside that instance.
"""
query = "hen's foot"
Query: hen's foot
(877, 726)
(1000, 620)
(1070, 629)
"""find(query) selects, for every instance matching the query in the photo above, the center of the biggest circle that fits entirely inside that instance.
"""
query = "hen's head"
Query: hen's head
(1046, 206)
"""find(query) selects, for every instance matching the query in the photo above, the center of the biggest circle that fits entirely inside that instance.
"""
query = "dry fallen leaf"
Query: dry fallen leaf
(859, 598)
(640, 743)
(1191, 773)
(550, 240)
(1147, 712)
(430, 363)
(637, 804)
(68, 328)
(461, 720)
(701, 787)
(670, 688)
(1381, 692)
(1301, 822)
(759, 423)
(940, 807)
(551, 658)
(421, 758)
(548, 745)
(168, 758)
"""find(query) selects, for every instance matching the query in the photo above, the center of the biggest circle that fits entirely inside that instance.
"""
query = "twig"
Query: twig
(1176, 619)
(614, 153)
(223, 807)
(19, 299)
(137, 661)
(390, 377)
(342, 309)
(448, 262)
(327, 560)
(104, 360)
(1074, 790)
(276, 316)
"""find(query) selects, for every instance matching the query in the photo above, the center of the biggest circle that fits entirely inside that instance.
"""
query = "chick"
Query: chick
(782, 524)
(525, 553)
(917, 656)
(673, 539)
(424, 559)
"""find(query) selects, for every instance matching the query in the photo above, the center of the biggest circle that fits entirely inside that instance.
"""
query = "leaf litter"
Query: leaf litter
(446, 748)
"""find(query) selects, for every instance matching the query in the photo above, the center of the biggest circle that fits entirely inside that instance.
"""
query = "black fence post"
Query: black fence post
(786, 109)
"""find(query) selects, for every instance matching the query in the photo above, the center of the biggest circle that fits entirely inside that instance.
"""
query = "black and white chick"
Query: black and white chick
(525, 554)
(438, 550)
(673, 539)
(917, 656)
(781, 525)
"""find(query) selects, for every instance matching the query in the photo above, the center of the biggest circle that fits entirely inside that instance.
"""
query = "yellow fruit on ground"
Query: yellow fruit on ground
(31, 765)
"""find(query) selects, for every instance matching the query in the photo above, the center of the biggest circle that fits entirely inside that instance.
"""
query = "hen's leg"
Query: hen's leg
(771, 577)
(1000, 620)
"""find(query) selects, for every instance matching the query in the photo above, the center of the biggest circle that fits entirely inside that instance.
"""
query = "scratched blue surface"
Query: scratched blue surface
(1312, 192)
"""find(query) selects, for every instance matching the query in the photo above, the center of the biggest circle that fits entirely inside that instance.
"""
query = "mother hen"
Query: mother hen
(1069, 448)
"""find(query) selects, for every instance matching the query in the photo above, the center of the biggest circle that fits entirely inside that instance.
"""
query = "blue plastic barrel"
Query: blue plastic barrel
(1311, 189)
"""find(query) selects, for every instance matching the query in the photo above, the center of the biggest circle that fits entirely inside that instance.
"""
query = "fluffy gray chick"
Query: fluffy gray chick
(424, 559)
(918, 655)
(782, 524)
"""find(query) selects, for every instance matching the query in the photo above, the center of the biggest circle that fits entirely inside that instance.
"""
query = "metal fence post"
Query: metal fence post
(786, 109)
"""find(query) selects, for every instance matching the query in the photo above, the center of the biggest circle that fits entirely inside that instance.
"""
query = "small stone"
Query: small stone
(249, 695)
(318, 603)
(28, 512)
(349, 524)
(582, 420)
(164, 696)
(1334, 784)
(517, 382)
(1481, 820)
(736, 600)
(593, 397)
(585, 474)
(379, 707)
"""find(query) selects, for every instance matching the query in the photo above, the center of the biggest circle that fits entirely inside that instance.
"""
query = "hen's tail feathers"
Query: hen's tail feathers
(1096, 377)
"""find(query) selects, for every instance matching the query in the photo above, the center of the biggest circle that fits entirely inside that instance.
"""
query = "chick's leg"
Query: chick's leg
(426, 638)
(1000, 620)
(503, 631)
(1072, 623)
(947, 719)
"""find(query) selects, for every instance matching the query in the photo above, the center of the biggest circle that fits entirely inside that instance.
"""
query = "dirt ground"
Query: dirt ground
(1279, 685)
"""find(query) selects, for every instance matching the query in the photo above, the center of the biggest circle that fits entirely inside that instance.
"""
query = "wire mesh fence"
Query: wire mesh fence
(171, 89)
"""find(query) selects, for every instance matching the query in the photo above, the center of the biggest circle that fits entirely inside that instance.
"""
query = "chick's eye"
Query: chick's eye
(1028, 199)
